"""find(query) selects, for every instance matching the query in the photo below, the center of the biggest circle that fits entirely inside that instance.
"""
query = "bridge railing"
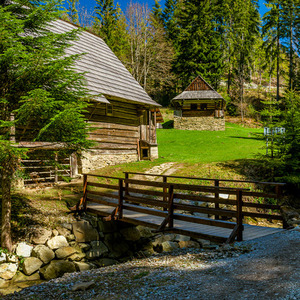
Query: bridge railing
(178, 201)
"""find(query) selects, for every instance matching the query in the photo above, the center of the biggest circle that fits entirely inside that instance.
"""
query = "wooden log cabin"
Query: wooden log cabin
(199, 107)
(122, 115)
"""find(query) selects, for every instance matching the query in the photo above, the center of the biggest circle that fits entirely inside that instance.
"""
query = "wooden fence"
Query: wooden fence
(171, 202)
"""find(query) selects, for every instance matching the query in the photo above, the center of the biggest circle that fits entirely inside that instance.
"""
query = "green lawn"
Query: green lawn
(191, 146)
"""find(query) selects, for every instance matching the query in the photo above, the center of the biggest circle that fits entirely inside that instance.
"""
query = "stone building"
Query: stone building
(199, 107)
(121, 114)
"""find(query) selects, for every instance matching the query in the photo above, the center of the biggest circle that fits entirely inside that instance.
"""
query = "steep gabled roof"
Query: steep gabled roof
(197, 90)
(105, 73)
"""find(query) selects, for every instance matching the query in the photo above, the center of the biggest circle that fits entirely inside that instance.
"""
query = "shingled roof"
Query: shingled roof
(199, 89)
(105, 73)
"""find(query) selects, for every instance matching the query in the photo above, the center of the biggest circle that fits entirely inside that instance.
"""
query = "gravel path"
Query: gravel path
(266, 268)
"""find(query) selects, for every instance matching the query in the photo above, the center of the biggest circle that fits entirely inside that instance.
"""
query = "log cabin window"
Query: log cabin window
(203, 106)
(194, 106)
(109, 110)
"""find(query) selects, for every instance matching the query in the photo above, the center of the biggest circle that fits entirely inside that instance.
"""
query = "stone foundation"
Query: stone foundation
(153, 151)
(199, 123)
(92, 160)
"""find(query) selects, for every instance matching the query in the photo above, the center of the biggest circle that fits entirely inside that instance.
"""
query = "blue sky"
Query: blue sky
(89, 4)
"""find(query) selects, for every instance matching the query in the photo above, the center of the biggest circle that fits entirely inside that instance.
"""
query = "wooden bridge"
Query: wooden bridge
(203, 210)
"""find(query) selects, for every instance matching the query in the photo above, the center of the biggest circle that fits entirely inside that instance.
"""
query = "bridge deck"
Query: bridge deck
(218, 234)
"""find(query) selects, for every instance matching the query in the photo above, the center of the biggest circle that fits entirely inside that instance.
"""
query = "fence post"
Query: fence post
(239, 216)
(217, 206)
(165, 190)
(56, 168)
(126, 184)
(84, 191)
(121, 198)
(170, 206)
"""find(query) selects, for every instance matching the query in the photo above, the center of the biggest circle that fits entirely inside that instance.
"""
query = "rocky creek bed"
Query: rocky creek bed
(265, 268)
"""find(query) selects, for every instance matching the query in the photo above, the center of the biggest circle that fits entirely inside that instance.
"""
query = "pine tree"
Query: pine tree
(105, 20)
(200, 42)
(38, 88)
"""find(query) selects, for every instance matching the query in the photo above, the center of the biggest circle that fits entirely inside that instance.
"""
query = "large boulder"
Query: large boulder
(20, 277)
(57, 242)
(65, 252)
(44, 253)
(84, 232)
(145, 232)
(98, 249)
(84, 266)
(31, 265)
(164, 238)
(189, 244)
(8, 270)
(131, 233)
(23, 249)
(169, 246)
(40, 236)
(57, 268)
(107, 226)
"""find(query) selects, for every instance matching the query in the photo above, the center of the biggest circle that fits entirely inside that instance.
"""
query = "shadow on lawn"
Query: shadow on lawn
(257, 138)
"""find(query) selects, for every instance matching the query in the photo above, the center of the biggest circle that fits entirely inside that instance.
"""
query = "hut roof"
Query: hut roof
(198, 89)
(104, 72)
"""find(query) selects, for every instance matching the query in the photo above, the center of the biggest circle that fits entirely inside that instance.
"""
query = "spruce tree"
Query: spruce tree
(39, 89)
(200, 43)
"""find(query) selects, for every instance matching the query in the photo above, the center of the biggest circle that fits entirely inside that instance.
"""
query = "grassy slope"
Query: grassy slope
(236, 142)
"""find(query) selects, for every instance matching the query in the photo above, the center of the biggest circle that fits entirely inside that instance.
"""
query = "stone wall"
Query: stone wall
(82, 245)
(199, 123)
(92, 160)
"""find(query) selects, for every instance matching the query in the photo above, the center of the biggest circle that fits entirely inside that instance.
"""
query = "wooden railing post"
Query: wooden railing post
(121, 198)
(170, 206)
(126, 184)
(85, 183)
(239, 216)
(217, 183)
(165, 191)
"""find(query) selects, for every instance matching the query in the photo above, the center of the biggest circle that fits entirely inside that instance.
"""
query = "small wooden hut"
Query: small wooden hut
(122, 114)
(199, 107)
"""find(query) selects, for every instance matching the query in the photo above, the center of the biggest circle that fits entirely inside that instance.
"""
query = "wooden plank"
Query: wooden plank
(103, 185)
(114, 140)
(114, 146)
(209, 222)
(146, 183)
(120, 127)
(262, 216)
(108, 195)
(261, 205)
(203, 199)
(260, 194)
(205, 210)
(101, 201)
(113, 151)
(145, 192)
(115, 133)
(146, 201)
(145, 210)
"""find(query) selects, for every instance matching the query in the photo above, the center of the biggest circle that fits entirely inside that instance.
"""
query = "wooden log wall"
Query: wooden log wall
(114, 139)
(122, 113)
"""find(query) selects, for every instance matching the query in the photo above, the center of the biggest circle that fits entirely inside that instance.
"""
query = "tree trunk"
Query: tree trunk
(7, 172)
(278, 56)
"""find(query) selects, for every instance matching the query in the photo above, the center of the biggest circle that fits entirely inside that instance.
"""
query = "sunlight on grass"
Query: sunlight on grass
(236, 142)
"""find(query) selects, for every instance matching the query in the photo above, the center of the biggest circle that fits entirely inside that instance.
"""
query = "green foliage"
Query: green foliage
(199, 41)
